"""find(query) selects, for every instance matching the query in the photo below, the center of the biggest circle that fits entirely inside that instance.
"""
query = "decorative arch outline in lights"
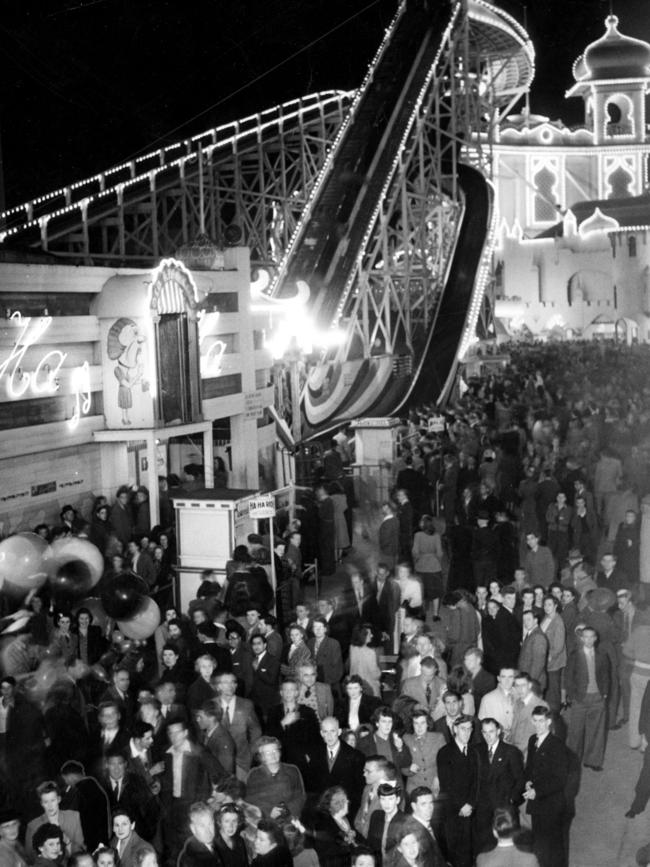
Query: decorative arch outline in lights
(612, 165)
(172, 289)
(542, 201)
(626, 107)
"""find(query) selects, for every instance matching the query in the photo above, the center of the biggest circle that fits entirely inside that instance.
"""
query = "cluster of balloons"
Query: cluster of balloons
(72, 567)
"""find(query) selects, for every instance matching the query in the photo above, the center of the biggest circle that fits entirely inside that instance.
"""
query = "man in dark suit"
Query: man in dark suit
(139, 755)
(128, 790)
(388, 540)
(219, 744)
(120, 692)
(85, 795)
(199, 849)
(388, 595)
(326, 653)
(416, 486)
(422, 805)
(427, 687)
(185, 780)
(335, 763)
(610, 574)
(458, 773)
(141, 564)
(406, 519)
(241, 658)
(267, 626)
(546, 776)
(150, 713)
(587, 680)
(453, 704)
(338, 624)
(240, 720)
(294, 725)
(534, 649)
(266, 675)
(360, 604)
(501, 779)
(482, 681)
(167, 695)
(112, 735)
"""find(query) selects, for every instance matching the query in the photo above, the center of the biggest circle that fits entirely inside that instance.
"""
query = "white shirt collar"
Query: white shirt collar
(186, 748)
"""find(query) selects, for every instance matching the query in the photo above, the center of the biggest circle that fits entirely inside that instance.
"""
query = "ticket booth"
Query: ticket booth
(375, 449)
(210, 523)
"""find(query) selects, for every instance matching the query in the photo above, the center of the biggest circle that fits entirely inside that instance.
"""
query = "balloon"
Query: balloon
(125, 595)
(94, 605)
(73, 566)
(143, 623)
(43, 679)
(98, 672)
(21, 563)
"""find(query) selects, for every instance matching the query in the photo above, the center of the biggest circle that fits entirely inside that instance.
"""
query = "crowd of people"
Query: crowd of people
(433, 700)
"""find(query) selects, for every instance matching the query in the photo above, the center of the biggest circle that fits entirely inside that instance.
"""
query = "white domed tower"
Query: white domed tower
(613, 77)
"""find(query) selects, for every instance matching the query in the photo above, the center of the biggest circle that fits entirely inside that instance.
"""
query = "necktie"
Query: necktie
(491, 754)
(308, 692)
(427, 692)
(330, 760)
(256, 662)
(465, 750)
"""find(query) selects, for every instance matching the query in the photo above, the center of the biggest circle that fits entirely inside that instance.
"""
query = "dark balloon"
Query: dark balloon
(74, 566)
(125, 596)
(72, 580)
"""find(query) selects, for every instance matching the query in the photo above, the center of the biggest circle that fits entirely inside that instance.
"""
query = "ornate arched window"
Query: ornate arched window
(173, 300)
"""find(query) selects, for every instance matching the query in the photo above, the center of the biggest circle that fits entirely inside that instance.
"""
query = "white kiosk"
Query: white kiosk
(210, 522)
(375, 448)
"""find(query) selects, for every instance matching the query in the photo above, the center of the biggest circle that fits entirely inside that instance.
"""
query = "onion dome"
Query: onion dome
(598, 222)
(613, 56)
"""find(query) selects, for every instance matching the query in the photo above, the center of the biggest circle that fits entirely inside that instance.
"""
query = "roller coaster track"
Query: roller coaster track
(394, 243)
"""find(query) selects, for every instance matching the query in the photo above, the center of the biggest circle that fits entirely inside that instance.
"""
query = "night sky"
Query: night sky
(86, 84)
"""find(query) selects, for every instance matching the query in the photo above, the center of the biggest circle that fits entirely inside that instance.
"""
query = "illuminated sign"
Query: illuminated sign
(80, 383)
(44, 378)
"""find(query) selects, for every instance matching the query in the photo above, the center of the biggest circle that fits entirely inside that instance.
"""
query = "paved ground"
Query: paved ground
(601, 836)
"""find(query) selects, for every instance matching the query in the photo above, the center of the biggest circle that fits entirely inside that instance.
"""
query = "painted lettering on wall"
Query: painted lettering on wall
(44, 378)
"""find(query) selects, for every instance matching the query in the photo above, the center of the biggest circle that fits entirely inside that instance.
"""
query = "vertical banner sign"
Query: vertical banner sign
(264, 507)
